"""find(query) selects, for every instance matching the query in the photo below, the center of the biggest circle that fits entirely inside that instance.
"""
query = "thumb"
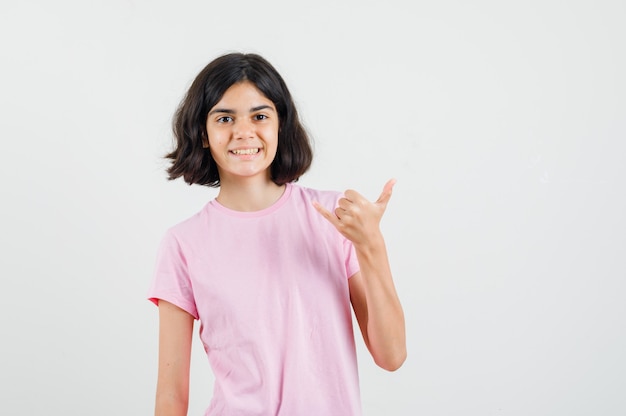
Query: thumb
(385, 195)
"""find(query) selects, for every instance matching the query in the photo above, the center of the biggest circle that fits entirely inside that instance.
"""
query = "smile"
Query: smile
(245, 151)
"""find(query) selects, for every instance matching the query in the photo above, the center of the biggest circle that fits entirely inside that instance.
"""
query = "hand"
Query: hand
(357, 218)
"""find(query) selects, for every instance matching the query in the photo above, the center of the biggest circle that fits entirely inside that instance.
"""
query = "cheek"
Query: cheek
(271, 135)
(216, 150)
(215, 139)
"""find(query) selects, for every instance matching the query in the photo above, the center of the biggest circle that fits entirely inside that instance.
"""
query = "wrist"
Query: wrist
(370, 245)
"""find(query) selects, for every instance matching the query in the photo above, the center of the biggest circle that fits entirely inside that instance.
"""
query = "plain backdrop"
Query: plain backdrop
(503, 122)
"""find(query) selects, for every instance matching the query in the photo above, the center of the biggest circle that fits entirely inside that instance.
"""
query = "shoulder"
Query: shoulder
(189, 226)
(327, 198)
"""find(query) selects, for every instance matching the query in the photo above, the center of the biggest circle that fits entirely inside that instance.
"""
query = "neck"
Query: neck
(249, 196)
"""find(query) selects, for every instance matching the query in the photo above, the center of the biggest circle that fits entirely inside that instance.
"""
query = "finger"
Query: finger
(351, 195)
(344, 203)
(326, 213)
(386, 193)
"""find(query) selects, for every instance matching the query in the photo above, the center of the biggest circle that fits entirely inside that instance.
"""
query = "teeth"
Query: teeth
(245, 151)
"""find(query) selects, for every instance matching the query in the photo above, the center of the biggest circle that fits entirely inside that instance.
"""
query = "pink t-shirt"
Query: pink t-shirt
(270, 289)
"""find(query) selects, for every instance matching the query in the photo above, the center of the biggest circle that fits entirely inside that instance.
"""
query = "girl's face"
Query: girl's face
(242, 131)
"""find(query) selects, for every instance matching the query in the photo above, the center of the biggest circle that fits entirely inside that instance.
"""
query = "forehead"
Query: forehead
(243, 94)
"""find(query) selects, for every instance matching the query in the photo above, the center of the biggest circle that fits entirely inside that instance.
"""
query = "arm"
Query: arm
(175, 332)
(372, 291)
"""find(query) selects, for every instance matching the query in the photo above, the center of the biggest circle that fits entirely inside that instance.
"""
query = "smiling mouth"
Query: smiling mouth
(245, 151)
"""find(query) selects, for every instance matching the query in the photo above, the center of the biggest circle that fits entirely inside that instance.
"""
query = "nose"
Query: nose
(243, 129)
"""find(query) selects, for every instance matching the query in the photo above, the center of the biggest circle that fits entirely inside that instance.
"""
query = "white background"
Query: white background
(504, 123)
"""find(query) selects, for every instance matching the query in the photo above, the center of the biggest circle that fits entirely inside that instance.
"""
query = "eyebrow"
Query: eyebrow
(229, 111)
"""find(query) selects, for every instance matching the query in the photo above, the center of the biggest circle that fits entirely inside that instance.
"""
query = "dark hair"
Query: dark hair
(194, 162)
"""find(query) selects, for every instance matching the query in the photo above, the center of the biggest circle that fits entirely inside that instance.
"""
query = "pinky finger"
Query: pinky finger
(325, 213)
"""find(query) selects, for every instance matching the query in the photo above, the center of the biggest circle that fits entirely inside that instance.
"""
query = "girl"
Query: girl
(269, 268)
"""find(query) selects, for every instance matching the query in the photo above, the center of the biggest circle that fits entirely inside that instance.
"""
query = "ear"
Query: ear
(205, 140)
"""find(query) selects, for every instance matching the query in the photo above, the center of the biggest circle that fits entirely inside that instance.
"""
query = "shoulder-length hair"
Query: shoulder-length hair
(194, 162)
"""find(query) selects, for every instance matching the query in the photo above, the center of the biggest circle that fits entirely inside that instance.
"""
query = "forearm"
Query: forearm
(384, 328)
(169, 405)
(175, 331)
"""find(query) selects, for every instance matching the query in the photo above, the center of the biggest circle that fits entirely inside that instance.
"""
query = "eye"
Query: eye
(224, 119)
(260, 117)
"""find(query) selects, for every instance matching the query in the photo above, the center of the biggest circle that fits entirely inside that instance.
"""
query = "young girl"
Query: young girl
(269, 268)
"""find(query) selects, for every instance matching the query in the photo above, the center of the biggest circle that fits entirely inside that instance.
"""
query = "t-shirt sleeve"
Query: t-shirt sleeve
(349, 254)
(352, 263)
(171, 281)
